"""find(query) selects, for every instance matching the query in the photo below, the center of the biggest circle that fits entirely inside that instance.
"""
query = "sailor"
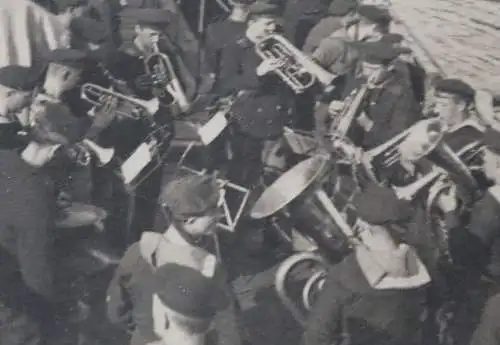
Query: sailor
(28, 294)
(125, 135)
(478, 246)
(452, 100)
(340, 15)
(390, 107)
(222, 40)
(67, 70)
(376, 295)
(191, 202)
(263, 104)
(326, 44)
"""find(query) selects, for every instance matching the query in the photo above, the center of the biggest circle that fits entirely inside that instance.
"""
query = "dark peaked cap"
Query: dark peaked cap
(188, 292)
(261, 8)
(19, 78)
(68, 57)
(342, 7)
(380, 52)
(151, 16)
(89, 30)
(379, 205)
(375, 14)
(455, 86)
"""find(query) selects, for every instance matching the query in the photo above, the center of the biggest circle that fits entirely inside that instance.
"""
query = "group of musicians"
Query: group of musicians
(93, 126)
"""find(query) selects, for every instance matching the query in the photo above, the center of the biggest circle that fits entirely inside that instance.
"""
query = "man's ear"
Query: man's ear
(190, 220)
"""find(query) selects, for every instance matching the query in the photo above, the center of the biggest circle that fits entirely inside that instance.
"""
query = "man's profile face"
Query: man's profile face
(60, 78)
(449, 108)
(12, 101)
(260, 27)
(148, 34)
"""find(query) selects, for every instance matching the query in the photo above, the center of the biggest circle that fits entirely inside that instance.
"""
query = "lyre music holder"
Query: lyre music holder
(230, 220)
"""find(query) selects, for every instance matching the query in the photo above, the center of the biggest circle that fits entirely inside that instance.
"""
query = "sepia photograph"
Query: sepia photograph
(250, 172)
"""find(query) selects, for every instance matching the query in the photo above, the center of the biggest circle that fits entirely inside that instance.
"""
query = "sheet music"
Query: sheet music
(136, 162)
(213, 127)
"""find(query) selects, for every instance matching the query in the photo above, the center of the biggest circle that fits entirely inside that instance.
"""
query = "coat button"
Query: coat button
(259, 110)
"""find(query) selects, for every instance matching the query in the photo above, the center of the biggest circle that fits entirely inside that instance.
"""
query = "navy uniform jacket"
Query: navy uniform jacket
(349, 307)
(488, 330)
(479, 246)
(27, 206)
(231, 57)
(391, 108)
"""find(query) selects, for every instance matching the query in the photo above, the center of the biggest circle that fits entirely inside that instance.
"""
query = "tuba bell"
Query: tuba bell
(299, 71)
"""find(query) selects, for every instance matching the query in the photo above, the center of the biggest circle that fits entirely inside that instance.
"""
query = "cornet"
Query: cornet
(159, 66)
(299, 72)
(127, 106)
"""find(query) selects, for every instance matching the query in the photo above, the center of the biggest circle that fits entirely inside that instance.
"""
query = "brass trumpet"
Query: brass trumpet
(299, 72)
(166, 83)
(127, 106)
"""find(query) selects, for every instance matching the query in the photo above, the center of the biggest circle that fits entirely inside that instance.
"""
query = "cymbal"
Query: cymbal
(79, 214)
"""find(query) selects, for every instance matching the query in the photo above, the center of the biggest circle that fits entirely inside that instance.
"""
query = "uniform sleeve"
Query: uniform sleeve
(212, 51)
(471, 247)
(34, 245)
(226, 321)
(488, 330)
(329, 53)
(325, 320)
(118, 300)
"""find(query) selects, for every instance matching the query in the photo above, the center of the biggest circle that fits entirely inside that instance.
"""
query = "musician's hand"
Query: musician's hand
(63, 200)
(269, 65)
(448, 201)
(335, 107)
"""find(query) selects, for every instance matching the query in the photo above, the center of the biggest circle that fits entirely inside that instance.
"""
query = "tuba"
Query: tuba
(420, 139)
(299, 71)
(299, 304)
(166, 84)
(126, 106)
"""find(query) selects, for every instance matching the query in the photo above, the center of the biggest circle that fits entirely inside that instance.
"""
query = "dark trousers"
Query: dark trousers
(21, 314)
(245, 166)
(17, 326)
